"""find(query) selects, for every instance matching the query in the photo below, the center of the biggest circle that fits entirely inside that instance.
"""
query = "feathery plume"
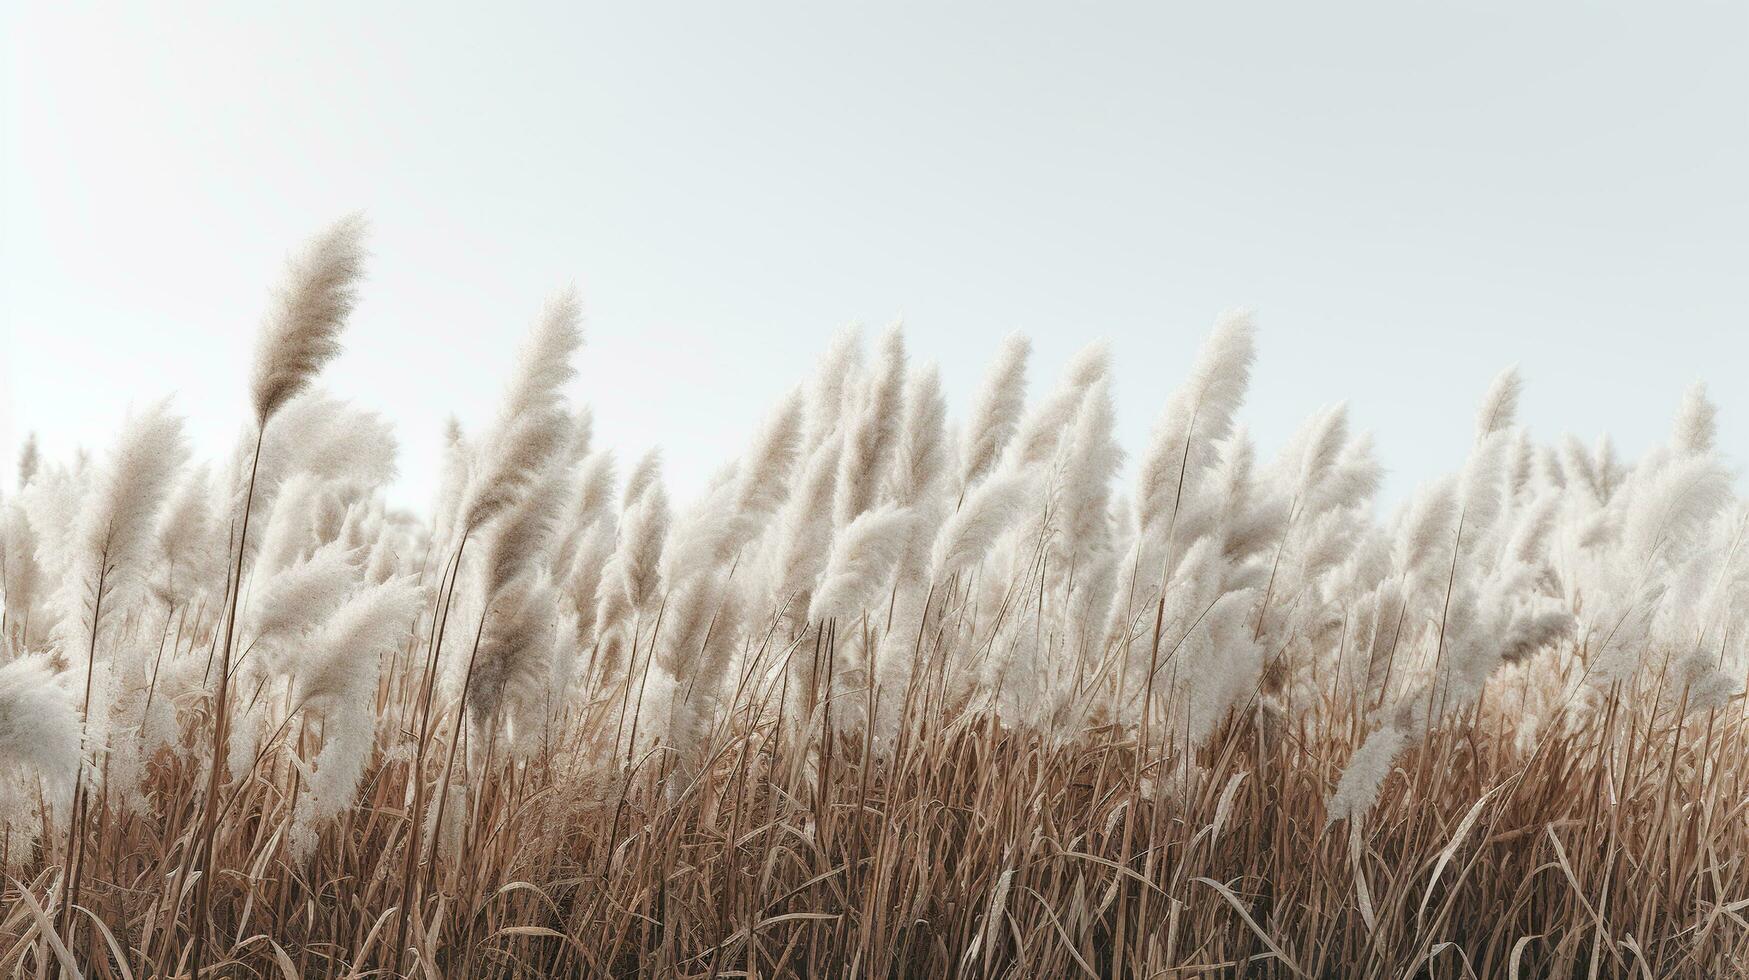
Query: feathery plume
(1428, 530)
(340, 661)
(301, 335)
(995, 411)
(864, 557)
(1697, 426)
(29, 458)
(1361, 781)
(531, 425)
(337, 677)
(828, 386)
(1674, 508)
(987, 512)
(694, 655)
(1499, 408)
(188, 551)
(922, 458)
(1199, 415)
(871, 437)
(643, 533)
(301, 596)
(20, 575)
(805, 527)
(108, 549)
(39, 729)
(594, 488)
(584, 575)
(589, 505)
(762, 481)
(515, 653)
(647, 472)
(1089, 460)
(1036, 438)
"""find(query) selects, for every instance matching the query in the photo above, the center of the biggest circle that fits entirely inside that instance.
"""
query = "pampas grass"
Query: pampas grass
(871, 432)
(995, 411)
(40, 744)
(891, 697)
(302, 333)
(530, 426)
(861, 565)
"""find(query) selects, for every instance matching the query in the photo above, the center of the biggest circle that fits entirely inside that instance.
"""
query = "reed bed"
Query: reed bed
(893, 697)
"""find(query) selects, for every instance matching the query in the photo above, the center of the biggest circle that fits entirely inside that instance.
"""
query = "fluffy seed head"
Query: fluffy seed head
(302, 333)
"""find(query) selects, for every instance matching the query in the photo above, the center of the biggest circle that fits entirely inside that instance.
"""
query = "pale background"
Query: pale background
(1411, 196)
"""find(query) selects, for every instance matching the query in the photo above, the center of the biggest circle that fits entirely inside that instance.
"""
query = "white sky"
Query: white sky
(1412, 196)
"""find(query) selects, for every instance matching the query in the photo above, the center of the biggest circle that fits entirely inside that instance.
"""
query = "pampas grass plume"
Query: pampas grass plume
(302, 333)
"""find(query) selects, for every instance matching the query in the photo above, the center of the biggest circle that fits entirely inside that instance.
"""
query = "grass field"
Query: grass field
(894, 697)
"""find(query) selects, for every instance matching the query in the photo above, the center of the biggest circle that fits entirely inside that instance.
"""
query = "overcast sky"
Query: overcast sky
(1411, 196)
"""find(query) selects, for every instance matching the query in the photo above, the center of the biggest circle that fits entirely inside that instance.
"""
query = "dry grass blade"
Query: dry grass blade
(1245, 914)
(1451, 847)
(115, 950)
(46, 929)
